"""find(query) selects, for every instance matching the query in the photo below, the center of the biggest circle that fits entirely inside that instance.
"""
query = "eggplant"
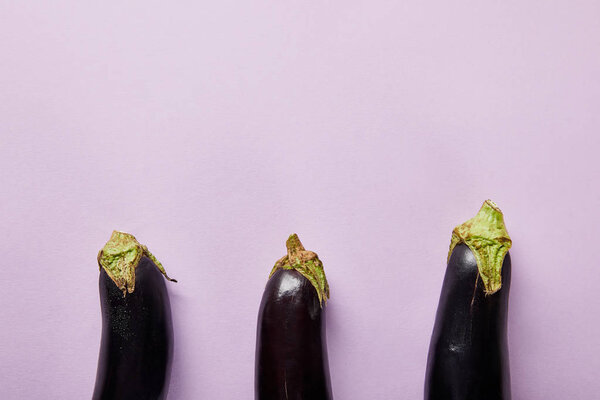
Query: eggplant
(136, 348)
(291, 347)
(468, 354)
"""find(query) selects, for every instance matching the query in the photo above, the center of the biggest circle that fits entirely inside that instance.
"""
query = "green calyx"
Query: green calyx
(486, 236)
(306, 263)
(120, 257)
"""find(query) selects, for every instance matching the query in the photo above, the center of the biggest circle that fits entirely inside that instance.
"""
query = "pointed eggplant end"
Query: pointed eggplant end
(487, 237)
(120, 257)
(306, 263)
(294, 246)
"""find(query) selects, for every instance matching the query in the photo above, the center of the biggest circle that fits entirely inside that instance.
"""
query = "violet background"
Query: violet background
(213, 130)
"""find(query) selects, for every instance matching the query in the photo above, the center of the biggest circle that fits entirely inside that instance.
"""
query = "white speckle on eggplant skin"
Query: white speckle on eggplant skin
(137, 337)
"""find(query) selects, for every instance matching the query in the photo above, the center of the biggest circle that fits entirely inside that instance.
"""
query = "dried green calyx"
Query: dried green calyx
(306, 263)
(120, 257)
(486, 236)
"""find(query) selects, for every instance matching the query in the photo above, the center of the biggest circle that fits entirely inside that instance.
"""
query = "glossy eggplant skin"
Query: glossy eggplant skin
(291, 349)
(137, 338)
(468, 354)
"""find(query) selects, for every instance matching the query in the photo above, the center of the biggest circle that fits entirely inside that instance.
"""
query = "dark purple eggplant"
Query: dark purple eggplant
(468, 354)
(291, 348)
(137, 332)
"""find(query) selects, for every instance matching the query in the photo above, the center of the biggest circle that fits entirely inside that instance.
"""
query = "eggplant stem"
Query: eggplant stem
(486, 235)
(121, 255)
(306, 263)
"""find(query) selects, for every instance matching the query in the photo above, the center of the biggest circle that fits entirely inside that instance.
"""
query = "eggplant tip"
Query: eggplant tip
(493, 205)
(307, 263)
(120, 257)
(486, 235)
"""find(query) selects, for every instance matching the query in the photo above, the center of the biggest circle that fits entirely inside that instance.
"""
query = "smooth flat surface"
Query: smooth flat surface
(213, 131)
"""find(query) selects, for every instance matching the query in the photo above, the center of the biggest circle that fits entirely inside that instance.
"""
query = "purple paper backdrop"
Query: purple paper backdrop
(212, 131)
